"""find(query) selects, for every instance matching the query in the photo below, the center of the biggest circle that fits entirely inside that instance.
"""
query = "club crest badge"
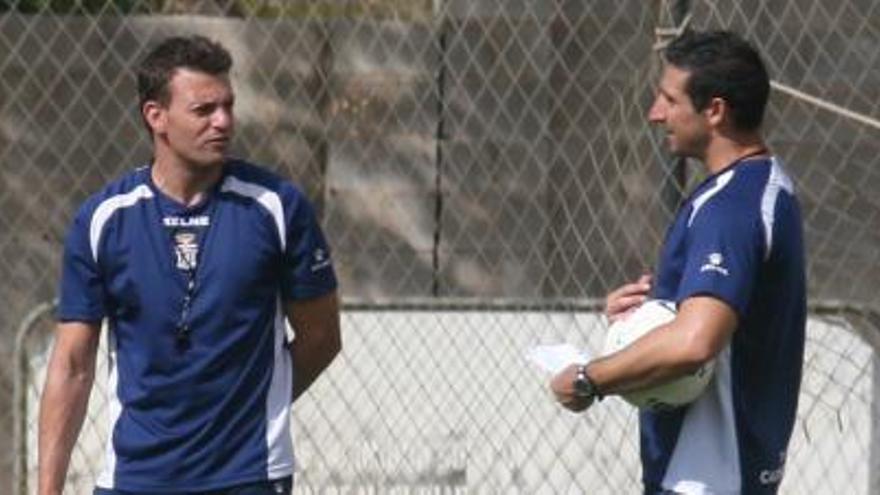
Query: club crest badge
(186, 247)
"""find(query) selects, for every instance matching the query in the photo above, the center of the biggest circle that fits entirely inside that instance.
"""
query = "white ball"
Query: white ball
(677, 392)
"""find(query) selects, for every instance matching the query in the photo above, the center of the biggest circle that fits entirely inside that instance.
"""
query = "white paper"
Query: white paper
(554, 358)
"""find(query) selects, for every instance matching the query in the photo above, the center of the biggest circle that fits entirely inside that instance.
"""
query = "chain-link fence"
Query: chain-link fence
(482, 168)
(429, 401)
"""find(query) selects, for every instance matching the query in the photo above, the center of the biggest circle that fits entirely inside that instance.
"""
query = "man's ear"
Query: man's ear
(717, 111)
(155, 115)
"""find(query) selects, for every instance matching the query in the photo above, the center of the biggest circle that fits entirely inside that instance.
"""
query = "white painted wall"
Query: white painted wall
(445, 402)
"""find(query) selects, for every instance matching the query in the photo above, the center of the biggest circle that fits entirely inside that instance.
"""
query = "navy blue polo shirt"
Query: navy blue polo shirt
(210, 410)
(737, 238)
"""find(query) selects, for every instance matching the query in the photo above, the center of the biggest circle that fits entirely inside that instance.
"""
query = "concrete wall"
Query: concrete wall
(520, 196)
(446, 402)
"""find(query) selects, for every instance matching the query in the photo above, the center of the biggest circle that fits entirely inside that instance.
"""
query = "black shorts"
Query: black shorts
(652, 489)
(281, 486)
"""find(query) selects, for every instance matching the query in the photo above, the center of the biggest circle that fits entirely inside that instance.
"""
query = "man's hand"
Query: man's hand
(625, 299)
(317, 338)
(562, 386)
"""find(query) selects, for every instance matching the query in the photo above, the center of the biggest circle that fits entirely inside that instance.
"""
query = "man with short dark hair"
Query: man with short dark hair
(733, 263)
(195, 260)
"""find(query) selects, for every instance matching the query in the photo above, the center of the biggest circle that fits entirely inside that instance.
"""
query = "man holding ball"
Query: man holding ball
(733, 264)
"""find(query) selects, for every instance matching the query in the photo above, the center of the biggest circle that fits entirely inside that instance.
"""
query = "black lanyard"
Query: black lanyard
(183, 326)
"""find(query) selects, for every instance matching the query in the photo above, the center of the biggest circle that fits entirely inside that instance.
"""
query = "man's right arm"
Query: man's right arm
(64, 401)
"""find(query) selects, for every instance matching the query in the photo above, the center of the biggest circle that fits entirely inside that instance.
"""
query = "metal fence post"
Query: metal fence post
(20, 413)
(871, 314)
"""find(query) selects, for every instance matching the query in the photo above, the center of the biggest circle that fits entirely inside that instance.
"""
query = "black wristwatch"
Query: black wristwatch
(584, 388)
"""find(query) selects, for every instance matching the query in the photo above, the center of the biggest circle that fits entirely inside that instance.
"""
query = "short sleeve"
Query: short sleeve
(308, 266)
(723, 257)
(82, 296)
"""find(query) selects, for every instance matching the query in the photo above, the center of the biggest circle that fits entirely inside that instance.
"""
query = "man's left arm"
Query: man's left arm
(317, 339)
